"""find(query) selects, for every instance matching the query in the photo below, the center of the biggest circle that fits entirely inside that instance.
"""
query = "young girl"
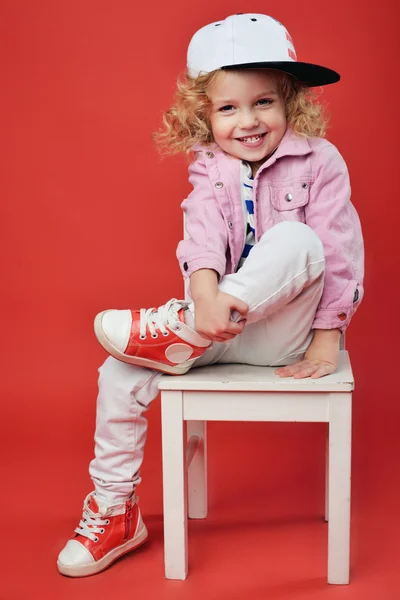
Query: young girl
(274, 254)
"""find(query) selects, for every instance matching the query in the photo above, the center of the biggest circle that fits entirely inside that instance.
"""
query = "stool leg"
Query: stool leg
(174, 485)
(197, 473)
(339, 488)
(327, 475)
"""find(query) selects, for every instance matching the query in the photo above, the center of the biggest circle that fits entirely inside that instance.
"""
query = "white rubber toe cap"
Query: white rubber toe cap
(116, 325)
(74, 554)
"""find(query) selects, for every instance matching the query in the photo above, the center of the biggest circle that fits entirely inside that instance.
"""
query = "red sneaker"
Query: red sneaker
(154, 338)
(103, 535)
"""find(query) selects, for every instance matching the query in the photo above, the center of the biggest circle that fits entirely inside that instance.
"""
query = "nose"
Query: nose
(248, 119)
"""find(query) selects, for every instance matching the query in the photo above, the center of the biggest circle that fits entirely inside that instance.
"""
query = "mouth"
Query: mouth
(252, 139)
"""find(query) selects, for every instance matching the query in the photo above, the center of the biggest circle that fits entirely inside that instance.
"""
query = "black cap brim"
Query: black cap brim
(309, 74)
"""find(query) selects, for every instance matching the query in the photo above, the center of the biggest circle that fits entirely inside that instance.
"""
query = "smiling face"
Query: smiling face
(247, 115)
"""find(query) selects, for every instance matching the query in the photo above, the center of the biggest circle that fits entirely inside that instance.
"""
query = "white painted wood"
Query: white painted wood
(327, 473)
(339, 489)
(197, 473)
(192, 447)
(249, 378)
(256, 406)
(174, 485)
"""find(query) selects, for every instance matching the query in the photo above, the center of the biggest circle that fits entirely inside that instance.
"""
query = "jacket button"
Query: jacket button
(342, 316)
(230, 224)
(304, 186)
(210, 154)
(288, 197)
(185, 266)
(219, 185)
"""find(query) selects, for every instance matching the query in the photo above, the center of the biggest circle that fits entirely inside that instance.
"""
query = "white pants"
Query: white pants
(281, 282)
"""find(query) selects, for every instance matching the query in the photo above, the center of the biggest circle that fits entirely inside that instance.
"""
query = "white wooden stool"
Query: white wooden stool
(220, 393)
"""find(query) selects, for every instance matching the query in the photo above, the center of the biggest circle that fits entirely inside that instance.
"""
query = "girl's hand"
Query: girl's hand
(320, 359)
(213, 317)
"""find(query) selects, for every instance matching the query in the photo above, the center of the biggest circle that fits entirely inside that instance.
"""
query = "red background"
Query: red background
(90, 220)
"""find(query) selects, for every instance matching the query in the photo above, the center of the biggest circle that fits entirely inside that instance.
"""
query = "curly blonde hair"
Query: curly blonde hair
(187, 122)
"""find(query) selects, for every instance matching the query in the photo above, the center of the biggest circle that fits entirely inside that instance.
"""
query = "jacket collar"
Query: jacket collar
(290, 145)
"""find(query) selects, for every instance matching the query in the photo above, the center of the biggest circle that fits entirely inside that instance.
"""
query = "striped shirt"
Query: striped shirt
(246, 182)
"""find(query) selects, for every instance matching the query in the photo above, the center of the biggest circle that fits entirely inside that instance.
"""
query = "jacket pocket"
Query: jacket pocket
(288, 200)
(290, 196)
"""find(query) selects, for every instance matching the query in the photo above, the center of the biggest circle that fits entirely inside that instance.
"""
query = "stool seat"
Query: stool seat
(240, 377)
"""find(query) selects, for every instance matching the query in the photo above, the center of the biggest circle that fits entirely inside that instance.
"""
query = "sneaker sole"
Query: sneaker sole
(103, 563)
(179, 369)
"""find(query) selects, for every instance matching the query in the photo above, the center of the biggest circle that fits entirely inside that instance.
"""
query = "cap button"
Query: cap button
(288, 197)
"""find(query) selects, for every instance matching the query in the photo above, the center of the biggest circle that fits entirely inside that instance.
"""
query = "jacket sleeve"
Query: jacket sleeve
(333, 217)
(205, 243)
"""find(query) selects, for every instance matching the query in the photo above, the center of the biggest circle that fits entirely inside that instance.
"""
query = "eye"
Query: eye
(264, 102)
(226, 108)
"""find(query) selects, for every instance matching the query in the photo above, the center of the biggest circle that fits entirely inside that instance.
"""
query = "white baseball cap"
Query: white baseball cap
(251, 41)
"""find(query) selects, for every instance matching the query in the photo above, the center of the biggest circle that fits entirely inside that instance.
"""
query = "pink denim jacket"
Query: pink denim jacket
(305, 180)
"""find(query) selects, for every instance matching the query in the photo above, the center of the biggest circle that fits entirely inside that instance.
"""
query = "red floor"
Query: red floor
(265, 536)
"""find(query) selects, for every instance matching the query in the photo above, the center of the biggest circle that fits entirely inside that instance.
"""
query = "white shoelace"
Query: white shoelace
(90, 525)
(157, 318)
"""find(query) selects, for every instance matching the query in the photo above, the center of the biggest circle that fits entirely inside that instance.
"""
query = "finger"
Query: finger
(322, 371)
(303, 374)
(235, 328)
(211, 337)
(222, 336)
(298, 372)
(219, 338)
(227, 336)
(283, 372)
(306, 368)
(307, 371)
(290, 370)
(240, 306)
(314, 369)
